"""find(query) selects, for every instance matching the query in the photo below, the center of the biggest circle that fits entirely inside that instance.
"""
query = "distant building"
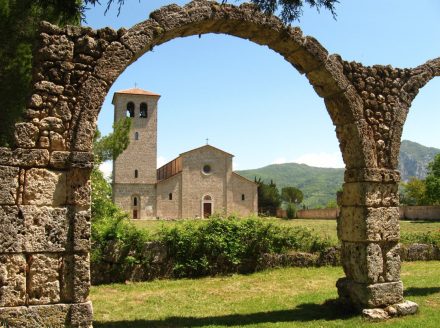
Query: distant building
(198, 183)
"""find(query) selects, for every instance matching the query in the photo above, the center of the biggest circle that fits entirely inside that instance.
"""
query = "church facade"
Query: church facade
(197, 184)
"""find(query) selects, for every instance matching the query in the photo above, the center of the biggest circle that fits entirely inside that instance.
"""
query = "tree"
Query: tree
(269, 198)
(432, 181)
(292, 197)
(414, 192)
(111, 146)
(107, 148)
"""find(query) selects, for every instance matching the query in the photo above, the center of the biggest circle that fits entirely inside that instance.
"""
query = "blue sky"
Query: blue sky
(250, 102)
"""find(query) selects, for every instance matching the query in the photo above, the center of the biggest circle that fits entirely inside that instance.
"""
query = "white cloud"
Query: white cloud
(321, 159)
(161, 161)
(107, 168)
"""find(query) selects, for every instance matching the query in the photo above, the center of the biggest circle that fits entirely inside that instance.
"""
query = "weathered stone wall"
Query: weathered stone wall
(243, 188)
(420, 212)
(196, 184)
(123, 197)
(166, 208)
(46, 175)
(319, 213)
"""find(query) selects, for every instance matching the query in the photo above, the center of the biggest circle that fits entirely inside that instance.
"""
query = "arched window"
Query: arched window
(136, 136)
(143, 110)
(207, 197)
(170, 196)
(136, 173)
(135, 201)
(130, 109)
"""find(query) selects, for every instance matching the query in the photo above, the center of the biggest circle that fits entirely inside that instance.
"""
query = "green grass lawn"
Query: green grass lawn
(322, 227)
(292, 297)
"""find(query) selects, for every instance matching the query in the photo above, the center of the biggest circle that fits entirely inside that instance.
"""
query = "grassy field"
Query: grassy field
(293, 297)
(322, 227)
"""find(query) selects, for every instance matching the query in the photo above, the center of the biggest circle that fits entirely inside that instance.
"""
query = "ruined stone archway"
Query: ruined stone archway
(45, 200)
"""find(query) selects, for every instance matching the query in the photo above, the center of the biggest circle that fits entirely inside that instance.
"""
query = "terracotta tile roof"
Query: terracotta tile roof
(137, 91)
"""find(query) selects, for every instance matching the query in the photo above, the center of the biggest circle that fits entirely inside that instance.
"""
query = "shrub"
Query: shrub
(231, 245)
(431, 238)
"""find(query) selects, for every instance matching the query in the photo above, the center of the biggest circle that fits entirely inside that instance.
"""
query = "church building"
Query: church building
(196, 184)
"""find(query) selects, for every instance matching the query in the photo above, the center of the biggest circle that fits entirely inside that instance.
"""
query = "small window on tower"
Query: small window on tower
(135, 201)
(130, 109)
(136, 173)
(143, 110)
(243, 197)
(136, 136)
(170, 196)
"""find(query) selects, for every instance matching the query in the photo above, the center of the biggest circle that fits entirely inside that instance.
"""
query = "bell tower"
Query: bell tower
(134, 171)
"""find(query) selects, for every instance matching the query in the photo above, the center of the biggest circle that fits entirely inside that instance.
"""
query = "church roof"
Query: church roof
(207, 146)
(136, 91)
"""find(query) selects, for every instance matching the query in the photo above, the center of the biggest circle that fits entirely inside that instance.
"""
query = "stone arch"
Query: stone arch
(47, 173)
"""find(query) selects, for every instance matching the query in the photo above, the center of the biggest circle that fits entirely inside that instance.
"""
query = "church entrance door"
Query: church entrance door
(207, 210)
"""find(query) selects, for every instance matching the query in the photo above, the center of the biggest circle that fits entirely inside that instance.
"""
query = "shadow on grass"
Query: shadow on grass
(422, 291)
(330, 310)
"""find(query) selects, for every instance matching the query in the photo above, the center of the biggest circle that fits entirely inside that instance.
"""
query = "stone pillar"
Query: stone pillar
(368, 228)
(44, 239)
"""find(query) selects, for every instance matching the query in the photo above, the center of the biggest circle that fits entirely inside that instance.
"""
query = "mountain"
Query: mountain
(414, 159)
(320, 185)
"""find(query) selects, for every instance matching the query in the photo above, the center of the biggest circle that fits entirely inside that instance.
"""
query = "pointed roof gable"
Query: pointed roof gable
(135, 91)
(207, 146)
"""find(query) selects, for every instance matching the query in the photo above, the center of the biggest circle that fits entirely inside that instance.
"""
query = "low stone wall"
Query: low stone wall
(420, 212)
(158, 265)
(322, 213)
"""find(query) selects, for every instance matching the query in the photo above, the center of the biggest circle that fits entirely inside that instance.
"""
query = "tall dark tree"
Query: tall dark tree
(269, 199)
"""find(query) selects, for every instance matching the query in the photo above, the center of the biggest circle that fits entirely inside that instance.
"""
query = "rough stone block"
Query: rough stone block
(40, 316)
(375, 315)
(370, 194)
(368, 224)
(44, 279)
(26, 135)
(12, 280)
(370, 296)
(44, 187)
(371, 175)
(139, 37)
(46, 228)
(11, 230)
(81, 231)
(79, 188)
(346, 107)
(76, 278)
(357, 144)
(392, 263)
(81, 315)
(329, 79)
(29, 157)
(9, 185)
(406, 308)
(59, 159)
(81, 160)
(56, 141)
(113, 62)
(362, 263)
